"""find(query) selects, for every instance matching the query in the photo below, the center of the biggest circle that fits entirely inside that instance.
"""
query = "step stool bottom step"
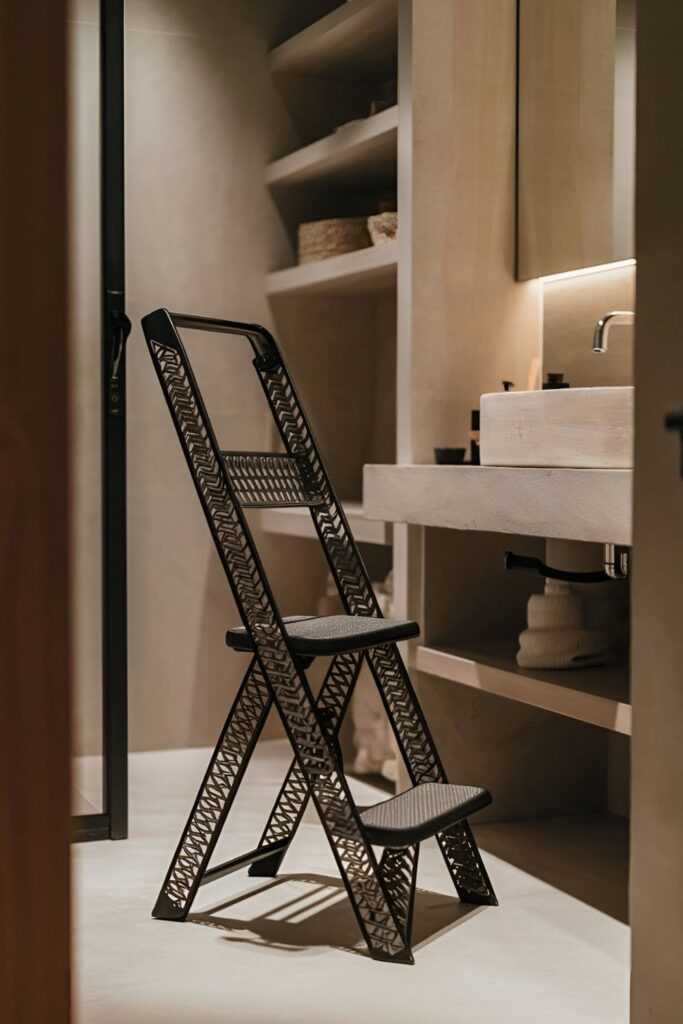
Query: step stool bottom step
(421, 812)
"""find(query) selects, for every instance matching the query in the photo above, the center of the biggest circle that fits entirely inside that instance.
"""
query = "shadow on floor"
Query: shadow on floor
(298, 912)
(584, 855)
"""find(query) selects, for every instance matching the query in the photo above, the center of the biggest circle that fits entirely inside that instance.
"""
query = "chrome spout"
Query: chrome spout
(602, 328)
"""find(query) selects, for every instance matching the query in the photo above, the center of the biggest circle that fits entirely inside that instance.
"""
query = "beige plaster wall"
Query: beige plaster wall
(83, 335)
(571, 308)
(202, 120)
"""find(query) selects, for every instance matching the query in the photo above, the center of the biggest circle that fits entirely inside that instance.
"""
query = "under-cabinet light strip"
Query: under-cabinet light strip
(564, 275)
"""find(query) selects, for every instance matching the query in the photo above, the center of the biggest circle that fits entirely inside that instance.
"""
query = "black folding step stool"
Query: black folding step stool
(381, 893)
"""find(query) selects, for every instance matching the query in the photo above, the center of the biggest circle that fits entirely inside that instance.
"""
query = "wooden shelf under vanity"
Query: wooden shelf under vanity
(353, 156)
(364, 271)
(297, 522)
(597, 696)
(358, 40)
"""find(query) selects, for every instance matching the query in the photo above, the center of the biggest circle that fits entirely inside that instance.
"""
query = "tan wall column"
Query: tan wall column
(657, 828)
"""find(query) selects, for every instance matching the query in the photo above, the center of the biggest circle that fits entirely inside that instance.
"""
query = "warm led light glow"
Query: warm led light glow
(589, 270)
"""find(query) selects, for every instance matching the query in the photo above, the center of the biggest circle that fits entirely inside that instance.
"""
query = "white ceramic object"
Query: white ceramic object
(571, 428)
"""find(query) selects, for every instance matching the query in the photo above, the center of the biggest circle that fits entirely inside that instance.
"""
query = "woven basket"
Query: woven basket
(321, 239)
(383, 227)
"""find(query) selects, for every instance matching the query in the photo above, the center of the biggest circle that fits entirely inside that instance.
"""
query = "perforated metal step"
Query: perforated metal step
(323, 635)
(421, 812)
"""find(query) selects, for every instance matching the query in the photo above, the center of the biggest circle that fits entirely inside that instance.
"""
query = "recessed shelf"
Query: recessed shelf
(584, 855)
(357, 40)
(297, 522)
(571, 504)
(597, 696)
(366, 270)
(354, 155)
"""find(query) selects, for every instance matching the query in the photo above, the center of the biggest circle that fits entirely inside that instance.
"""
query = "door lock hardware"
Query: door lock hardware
(119, 327)
(674, 421)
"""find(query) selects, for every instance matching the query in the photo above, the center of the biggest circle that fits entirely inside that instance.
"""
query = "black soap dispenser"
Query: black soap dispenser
(554, 382)
(474, 437)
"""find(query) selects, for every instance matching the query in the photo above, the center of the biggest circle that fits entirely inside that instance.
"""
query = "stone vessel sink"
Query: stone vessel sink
(576, 428)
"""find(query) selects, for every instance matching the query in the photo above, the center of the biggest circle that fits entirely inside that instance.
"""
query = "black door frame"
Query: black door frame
(112, 821)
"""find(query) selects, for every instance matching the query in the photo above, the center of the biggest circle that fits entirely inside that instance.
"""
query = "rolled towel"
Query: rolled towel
(558, 607)
(557, 637)
(563, 648)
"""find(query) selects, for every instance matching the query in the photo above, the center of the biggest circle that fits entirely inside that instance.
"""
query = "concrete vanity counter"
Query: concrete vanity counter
(575, 504)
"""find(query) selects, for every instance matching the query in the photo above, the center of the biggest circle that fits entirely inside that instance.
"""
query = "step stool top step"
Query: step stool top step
(320, 635)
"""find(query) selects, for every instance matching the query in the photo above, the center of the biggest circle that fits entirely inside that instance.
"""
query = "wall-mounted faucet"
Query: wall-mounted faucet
(602, 328)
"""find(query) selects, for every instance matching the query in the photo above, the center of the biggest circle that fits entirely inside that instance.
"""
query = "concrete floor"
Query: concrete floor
(263, 952)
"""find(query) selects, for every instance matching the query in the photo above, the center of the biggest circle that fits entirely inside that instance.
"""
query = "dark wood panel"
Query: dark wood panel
(34, 711)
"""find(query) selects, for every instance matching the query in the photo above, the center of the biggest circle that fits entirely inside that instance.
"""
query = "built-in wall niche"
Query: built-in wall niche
(338, 68)
(299, 573)
(335, 312)
(553, 747)
(469, 597)
(342, 355)
(349, 190)
(474, 610)
(337, 80)
(571, 308)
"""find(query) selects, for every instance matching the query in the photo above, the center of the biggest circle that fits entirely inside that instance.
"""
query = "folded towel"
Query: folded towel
(557, 637)
(563, 648)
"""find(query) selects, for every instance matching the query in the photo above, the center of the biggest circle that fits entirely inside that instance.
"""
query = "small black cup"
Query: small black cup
(449, 456)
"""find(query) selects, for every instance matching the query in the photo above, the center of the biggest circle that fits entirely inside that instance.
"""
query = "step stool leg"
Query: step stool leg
(463, 860)
(317, 756)
(216, 794)
(405, 714)
(457, 844)
(399, 871)
(290, 805)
